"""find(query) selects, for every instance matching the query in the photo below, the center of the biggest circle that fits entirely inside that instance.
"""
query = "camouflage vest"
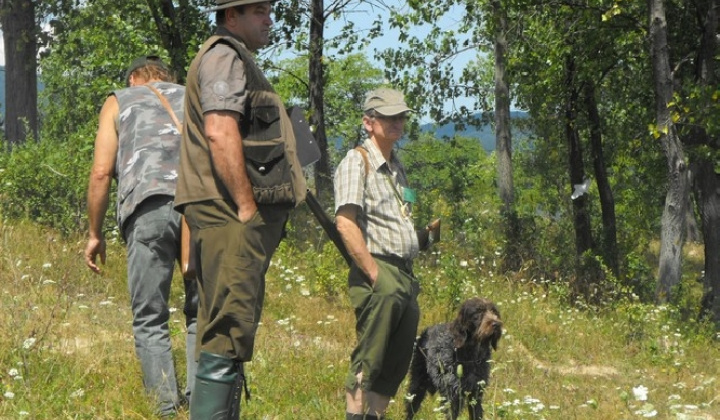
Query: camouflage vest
(148, 145)
(268, 140)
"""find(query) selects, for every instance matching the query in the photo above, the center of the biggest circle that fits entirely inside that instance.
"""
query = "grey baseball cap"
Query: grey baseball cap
(386, 101)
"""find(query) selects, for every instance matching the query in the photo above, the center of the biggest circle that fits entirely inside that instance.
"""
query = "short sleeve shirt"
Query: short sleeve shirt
(384, 217)
(222, 80)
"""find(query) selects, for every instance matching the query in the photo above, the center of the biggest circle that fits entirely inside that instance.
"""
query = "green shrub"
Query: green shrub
(46, 182)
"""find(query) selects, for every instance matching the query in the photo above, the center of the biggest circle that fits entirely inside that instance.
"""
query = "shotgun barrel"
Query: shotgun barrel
(327, 225)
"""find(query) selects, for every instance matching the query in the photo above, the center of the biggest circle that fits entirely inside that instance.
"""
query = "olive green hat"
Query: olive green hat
(225, 4)
(145, 60)
(386, 101)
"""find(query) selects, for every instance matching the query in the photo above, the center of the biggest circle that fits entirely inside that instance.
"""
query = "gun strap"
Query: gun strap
(167, 106)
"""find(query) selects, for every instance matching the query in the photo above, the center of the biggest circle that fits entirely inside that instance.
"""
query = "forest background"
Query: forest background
(606, 194)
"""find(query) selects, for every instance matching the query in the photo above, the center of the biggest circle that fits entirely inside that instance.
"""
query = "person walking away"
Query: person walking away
(138, 144)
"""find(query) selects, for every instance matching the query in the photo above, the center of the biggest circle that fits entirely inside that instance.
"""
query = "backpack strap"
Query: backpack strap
(364, 154)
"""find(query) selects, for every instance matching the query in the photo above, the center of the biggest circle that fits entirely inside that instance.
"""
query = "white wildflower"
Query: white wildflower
(640, 392)
(28, 343)
(9, 395)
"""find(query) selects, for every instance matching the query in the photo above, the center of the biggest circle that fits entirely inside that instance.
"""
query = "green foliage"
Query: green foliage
(349, 78)
(88, 58)
(315, 267)
(435, 36)
(454, 179)
(46, 182)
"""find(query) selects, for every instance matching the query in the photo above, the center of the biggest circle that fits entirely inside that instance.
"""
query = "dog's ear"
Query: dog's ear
(495, 338)
(462, 325)
(459, 333)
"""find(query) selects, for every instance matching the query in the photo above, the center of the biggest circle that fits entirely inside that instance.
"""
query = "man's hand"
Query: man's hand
(246, 212)
(94, 248)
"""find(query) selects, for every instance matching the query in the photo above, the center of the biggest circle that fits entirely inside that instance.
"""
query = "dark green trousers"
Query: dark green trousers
(233, 259)
(387, 317)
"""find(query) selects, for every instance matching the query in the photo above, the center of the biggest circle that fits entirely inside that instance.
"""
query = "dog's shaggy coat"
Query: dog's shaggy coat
(467, 342)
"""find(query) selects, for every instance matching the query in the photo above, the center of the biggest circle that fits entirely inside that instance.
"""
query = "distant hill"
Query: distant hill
(485, 134)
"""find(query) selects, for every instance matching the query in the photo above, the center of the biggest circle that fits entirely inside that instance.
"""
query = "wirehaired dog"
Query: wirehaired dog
(453, 358)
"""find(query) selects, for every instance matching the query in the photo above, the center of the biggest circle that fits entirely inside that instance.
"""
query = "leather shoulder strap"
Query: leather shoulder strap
(167, 106)
(364, 154)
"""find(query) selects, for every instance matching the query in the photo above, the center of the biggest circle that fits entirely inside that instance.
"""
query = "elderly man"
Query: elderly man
(373, 213)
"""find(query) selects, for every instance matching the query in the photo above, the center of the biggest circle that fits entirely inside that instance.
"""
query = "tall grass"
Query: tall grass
(66, 348)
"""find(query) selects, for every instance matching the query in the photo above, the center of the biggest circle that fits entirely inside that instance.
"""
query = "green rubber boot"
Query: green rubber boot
(217, 388)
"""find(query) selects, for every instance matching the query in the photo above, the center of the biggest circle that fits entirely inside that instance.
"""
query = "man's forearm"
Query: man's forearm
(228, 158)
(98, 199)
(230, 166)
(355, 243)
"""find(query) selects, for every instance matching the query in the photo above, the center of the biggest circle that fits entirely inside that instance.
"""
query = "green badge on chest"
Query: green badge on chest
(409, 195)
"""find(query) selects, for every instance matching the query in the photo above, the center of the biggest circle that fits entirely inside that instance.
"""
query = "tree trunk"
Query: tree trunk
(706, 178)
(607, 201)
(708, 199)
(581, 218)
(166, 19)
(19, 32)
(323, 176)
(503, 144)
(676, 203)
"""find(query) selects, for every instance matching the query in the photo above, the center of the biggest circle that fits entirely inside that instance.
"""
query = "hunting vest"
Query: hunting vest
(268, 140)
(148, 145)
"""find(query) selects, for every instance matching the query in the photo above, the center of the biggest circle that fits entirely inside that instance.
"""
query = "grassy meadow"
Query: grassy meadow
(66, 347)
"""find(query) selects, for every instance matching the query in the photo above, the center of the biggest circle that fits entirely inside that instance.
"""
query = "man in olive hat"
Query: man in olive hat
(239, 178)
(138, 144)
(373, 213)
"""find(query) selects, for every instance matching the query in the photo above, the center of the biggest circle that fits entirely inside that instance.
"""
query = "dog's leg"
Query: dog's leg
(455, 404)
(474, 404)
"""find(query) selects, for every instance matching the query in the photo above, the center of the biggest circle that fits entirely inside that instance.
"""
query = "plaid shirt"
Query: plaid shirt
(384, 218)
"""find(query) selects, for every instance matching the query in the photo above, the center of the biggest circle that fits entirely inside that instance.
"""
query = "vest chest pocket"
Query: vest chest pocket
(264, 123)
(269, 172)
